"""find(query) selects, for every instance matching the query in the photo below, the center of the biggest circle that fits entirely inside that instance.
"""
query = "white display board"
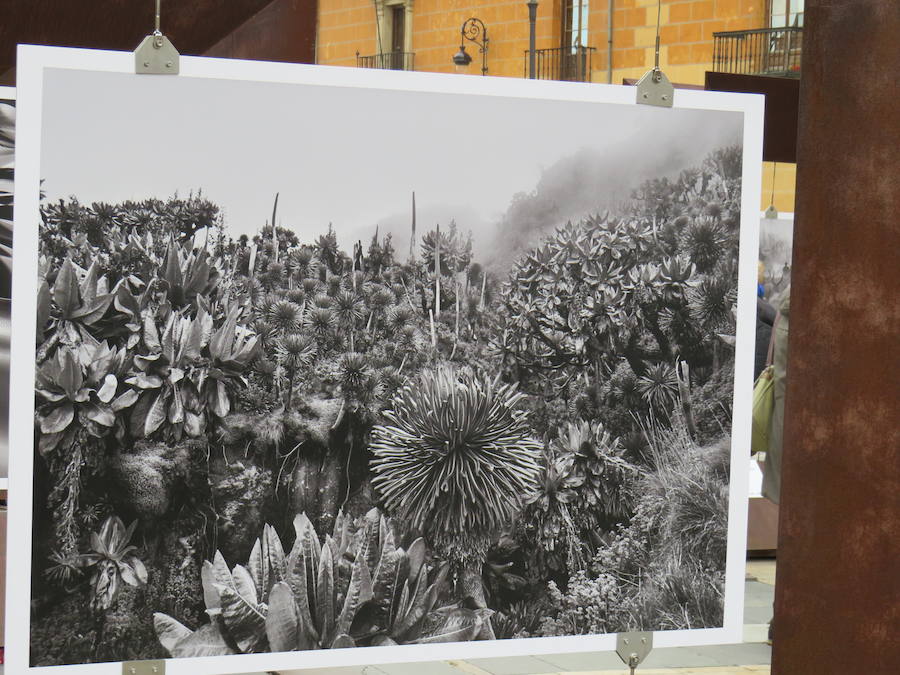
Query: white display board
(451, 347)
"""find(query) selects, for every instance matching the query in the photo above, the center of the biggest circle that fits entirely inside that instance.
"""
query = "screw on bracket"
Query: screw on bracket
(633, 648)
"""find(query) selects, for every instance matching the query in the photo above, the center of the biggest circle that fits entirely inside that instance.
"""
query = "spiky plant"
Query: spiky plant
(312, 287)
(381, 299)
(264, 329)
(711, 301)
(348, 310)
(454, 459)
(320, 320)
(284, 315)
(604, 494)
(548, 516)
(398, 317)
(297, 295)
(334, 285)
(406, 340)
(705, 242)
(295, 351)
(659, 387)
(354, 374)
(273, 276)
(389, 380)
(323, 301)
(302, 263)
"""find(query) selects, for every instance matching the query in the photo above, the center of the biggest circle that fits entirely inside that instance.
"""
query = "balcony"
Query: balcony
(764, 51)
(387, 61)
(571, 64)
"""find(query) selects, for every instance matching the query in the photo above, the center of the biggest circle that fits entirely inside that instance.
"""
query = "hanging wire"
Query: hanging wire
(772, 212)
(772, 198)
(658, 20)
(156, 30)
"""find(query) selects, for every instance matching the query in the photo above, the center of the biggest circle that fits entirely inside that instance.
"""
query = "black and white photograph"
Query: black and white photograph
(378, 361)
(776, 243)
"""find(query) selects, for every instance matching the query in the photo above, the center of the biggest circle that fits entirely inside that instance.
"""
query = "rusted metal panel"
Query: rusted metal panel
(782, 101)
(838, 592)
(285, 30)
(193, 25)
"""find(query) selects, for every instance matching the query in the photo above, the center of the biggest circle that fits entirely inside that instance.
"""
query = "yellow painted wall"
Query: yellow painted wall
(785, 178)
(348, 27)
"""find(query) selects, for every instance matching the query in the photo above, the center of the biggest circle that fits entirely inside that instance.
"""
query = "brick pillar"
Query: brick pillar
(838, 592)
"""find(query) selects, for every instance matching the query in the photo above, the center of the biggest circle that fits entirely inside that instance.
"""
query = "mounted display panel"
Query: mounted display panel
(338, 366)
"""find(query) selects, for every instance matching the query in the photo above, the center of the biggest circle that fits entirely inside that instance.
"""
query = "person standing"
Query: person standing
(771, 487)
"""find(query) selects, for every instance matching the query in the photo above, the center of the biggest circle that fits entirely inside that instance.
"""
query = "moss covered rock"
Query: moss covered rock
(243, 498)
(147, 479)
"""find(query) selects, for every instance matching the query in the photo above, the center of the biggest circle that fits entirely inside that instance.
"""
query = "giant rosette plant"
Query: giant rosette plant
(453, 460)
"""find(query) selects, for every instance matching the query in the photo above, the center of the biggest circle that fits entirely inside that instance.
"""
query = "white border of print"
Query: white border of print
(33, 60)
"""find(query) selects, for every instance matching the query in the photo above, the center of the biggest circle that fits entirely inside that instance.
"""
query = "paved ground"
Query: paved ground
(751, 656)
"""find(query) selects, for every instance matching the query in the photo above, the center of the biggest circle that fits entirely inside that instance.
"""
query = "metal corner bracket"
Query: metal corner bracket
(633, 647)
(654, 88)
(156, 55)
(144, 667)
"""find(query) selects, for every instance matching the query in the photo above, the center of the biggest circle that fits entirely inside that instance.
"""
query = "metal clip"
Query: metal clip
(156, 55)
(144, 668)
(633, 648)
(654, 87)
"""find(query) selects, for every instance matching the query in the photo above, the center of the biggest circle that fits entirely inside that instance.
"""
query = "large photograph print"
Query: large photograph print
(375, 366)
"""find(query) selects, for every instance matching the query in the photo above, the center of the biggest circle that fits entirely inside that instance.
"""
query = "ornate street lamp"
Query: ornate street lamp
(471, 30)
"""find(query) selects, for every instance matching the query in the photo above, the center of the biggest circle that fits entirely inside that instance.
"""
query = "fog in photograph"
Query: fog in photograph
(331, 367)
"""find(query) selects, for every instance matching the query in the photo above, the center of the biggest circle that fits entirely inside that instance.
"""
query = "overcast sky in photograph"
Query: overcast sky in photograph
(348, 156)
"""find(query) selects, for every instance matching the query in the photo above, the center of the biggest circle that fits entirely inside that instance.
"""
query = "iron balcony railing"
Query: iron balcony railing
(572, 64)
(763, 51)
(387, 61)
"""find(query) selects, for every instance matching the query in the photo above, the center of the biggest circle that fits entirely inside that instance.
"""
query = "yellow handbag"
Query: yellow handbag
(764, 399)
(763, 405)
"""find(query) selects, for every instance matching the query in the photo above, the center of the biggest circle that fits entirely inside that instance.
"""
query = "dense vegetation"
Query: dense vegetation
(275, 444)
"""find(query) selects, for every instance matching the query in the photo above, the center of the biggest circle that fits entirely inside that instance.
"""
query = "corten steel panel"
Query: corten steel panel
(193, 25)
(284, 30)
(838, 592)
(782, 100)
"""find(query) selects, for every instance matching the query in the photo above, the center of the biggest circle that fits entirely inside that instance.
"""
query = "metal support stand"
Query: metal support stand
(633, 648)
(156, 55)
(654, 87)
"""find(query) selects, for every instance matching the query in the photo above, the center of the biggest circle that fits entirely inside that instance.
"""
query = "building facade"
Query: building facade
(580, 40)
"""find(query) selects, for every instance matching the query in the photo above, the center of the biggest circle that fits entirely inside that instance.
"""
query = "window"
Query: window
(398, 28)
(393, 36)
(785, 13)
(575, 24)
